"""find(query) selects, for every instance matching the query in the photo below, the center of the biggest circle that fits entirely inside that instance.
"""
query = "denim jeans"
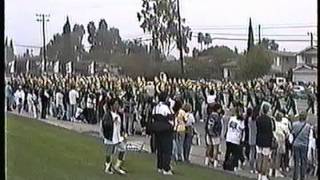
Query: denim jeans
(179, 140)
(252, 157)
(300, 162)
(187, 146)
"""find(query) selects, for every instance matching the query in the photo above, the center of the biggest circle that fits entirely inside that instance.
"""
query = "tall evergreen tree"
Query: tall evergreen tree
(67, 27)
(250, 37)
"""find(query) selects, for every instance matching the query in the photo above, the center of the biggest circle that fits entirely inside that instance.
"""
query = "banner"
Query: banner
(56, 67)
(12, 67)
(28, 66)
(92, 68)
(69, 67)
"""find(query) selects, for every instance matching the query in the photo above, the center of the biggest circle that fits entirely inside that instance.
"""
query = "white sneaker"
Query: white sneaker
(252, 172)
(259, 176)
(264, 178)
(160, 171)
(167, 173)
(108, 168)
(120, 171)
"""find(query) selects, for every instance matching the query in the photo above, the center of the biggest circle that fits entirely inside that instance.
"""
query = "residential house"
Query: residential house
(306, 69)
(283, 61)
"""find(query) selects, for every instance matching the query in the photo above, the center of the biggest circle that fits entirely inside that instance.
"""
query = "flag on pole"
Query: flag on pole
(28, 66)
(56, 67)
(92, 68)
(42, 66)
(12, 65)
(69, 67)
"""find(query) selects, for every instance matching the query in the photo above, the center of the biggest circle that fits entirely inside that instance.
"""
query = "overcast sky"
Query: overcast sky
(201, 15)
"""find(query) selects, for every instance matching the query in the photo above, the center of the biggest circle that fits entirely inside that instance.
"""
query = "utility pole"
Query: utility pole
(311, 40)
(43, 18)
(259, 30)
(180, 38)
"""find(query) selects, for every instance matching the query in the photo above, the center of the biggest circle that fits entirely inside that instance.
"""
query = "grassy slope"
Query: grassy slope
(37, 151)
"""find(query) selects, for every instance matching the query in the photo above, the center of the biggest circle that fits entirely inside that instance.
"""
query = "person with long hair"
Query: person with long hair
(189, 132)
(179, 129)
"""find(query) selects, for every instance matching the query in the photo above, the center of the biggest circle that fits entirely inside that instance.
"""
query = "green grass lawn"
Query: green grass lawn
(38, 151)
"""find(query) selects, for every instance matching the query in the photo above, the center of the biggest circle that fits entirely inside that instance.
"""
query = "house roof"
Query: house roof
(309, 50)
(304, 66)
(284, 53)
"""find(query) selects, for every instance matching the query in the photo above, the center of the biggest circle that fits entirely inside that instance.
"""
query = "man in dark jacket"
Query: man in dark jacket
(264, 140)
(163, 128)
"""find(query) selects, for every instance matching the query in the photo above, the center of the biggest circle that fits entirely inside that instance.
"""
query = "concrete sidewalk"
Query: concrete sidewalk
(197, 152)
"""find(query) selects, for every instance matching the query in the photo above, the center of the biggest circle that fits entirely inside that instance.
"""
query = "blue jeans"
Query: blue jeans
(179, 140)
(187, 145)
(300, 161)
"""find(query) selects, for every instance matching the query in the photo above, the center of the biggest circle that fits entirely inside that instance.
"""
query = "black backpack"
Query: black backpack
(214, 129)
(107, 125)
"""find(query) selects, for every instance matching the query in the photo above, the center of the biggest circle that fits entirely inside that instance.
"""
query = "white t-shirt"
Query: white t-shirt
(73, 95)
(59, 98)
(162, 109)
(235, 129)
(116, 137)
(19, 94)
(211, 99)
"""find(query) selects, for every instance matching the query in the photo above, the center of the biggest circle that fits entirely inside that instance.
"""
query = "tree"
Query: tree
(250, 37)
(66, 27)
(207, 39)
(160, 18)
(200, 39)
(269, 44)
(235, 50)
(256, 63)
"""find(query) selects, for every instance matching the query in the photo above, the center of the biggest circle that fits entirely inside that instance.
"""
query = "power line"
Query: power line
(245, 39)
(244, 34)
(262, 27)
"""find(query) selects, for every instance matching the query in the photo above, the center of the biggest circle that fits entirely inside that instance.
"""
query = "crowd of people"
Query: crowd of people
(258, 120)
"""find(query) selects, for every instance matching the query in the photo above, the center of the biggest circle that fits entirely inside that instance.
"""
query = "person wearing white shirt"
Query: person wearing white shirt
(73, 96)
(19, 97)
(59, 104)
(30, 102)
(234, 137)
(114, 137)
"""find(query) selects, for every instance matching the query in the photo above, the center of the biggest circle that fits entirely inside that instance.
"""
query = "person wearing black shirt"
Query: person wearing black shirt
(264, 141)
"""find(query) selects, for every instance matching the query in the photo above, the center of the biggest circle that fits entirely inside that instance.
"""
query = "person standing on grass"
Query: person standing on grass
(188, 133)
(9, 93)
(234, 137)
(179, 128)
(302, 133)
(280, 135)
(114, 137)
(163, 123)
(59, 104)
(213, 133)
(264, 141)
(19, 97)
(73, 97)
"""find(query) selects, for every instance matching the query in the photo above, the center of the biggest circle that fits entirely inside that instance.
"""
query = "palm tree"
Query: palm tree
(200, 39)
(207, 39)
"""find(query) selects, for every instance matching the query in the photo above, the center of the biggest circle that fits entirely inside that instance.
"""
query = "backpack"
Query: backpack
(214, 125)
(107, 125)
